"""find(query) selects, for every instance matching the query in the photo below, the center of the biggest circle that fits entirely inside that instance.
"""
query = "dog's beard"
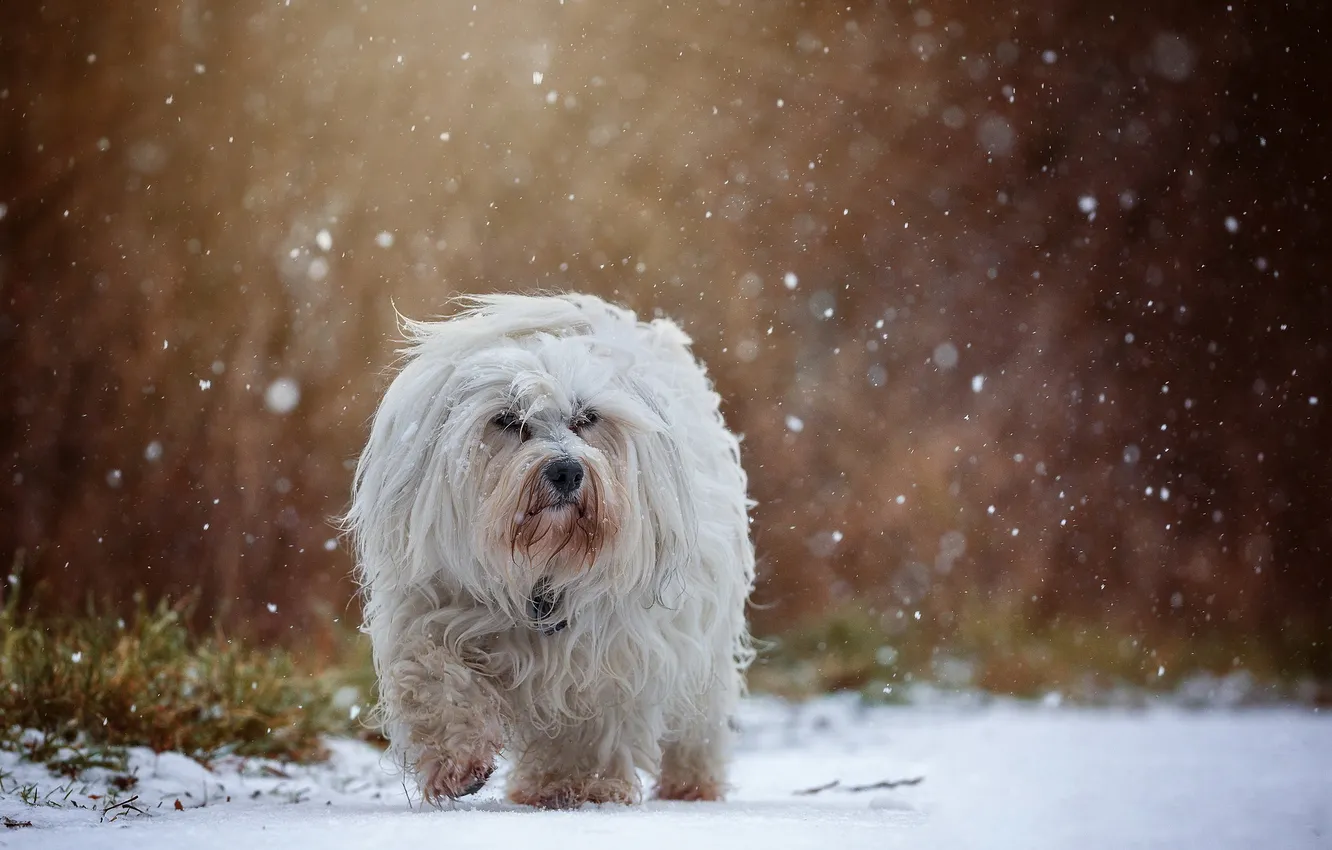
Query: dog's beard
(551, 531)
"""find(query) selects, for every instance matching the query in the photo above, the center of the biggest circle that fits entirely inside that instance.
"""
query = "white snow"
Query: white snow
(945, 355)
(318, 269)
(1019, 776)
(996, 135)
(282, 395)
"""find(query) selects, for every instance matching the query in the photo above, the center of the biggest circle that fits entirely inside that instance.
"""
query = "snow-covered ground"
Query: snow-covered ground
(991, 777)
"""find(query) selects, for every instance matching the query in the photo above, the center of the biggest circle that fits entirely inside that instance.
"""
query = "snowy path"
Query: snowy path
(1021, 777)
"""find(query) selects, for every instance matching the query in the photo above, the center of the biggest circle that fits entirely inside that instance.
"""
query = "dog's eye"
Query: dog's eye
(586, 419)
(510, 421)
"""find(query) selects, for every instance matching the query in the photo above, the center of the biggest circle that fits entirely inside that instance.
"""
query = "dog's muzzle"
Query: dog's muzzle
(541, 606)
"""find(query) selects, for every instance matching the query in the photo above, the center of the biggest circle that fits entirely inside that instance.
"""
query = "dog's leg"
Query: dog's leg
(693, 765)
(443, 719)
(588, 763)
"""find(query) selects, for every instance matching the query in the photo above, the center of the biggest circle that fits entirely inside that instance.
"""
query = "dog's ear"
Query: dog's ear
(664, 494)
(399, 492)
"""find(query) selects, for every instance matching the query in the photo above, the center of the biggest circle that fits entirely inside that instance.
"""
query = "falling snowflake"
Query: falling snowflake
(282, 396)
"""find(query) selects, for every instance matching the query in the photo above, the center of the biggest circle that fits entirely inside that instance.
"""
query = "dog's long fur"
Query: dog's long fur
(640, 660)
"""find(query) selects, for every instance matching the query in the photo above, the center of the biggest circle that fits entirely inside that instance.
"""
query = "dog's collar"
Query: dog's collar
(558, 627)
(542, 604)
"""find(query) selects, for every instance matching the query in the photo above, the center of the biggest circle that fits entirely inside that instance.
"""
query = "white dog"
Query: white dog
(551, 531)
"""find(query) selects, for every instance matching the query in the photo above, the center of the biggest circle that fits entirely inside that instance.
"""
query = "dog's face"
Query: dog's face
(551, 485)
(526, 466)
(561, 478)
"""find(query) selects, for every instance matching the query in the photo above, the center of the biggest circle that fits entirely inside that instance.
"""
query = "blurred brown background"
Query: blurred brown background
(1021, 307)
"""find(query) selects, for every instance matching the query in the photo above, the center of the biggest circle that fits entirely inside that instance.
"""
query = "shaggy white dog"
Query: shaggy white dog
(551, 532)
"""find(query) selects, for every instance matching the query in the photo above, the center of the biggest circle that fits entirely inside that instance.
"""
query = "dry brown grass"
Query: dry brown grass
(995, 652)
(93, 685)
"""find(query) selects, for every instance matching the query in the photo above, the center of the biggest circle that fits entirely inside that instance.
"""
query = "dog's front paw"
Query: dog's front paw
(445, 777)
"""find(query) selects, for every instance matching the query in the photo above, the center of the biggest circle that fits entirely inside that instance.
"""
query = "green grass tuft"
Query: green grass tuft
(94, 685)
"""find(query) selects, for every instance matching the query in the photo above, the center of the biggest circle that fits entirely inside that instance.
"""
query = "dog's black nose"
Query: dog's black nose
(565, 475)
